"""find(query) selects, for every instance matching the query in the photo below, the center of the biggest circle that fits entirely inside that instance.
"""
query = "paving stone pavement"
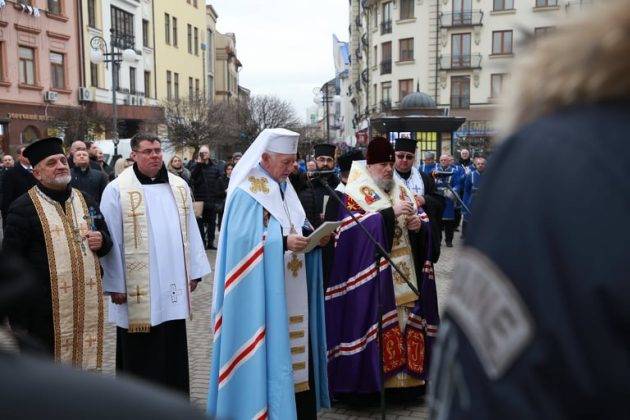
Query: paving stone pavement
(200, 348)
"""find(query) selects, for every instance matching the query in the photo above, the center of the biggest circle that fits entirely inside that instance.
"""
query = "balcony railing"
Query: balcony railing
(386, 27)
(386, 66)
(122, 40)
(460, 102)
(460, 62)
(386, 105)
(459, 19)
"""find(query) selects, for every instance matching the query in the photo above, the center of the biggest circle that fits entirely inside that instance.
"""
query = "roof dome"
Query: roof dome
(417, 100)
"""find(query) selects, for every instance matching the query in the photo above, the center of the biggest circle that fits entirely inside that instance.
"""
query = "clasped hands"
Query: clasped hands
(405, 208)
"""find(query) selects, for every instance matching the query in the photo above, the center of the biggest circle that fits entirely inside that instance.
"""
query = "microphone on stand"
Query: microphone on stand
(317, 174)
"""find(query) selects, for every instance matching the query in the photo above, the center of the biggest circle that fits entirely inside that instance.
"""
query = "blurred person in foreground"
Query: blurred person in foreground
(60, 233)
(538, 318)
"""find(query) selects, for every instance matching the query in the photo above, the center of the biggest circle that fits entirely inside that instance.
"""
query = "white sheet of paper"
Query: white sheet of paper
(324, 230)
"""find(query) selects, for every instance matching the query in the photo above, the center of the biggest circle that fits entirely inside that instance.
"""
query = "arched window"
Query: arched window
(29, 134)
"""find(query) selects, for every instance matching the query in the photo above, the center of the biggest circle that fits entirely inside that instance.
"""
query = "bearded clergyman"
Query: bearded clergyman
(61, 233)
(361, 282)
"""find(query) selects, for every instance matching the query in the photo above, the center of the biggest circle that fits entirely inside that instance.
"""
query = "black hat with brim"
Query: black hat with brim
(325, 149)
(41, 149)
(345, 160)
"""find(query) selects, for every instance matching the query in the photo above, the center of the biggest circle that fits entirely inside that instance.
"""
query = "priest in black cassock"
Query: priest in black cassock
(157, 261)
(61, 234)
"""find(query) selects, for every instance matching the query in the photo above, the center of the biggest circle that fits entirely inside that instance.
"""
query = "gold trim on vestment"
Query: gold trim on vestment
(301, 387)
(403, 380)
(298, 350)
(297, 319)
(296, 334)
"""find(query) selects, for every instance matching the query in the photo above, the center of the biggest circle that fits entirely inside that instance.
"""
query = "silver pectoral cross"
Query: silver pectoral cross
(175, 292)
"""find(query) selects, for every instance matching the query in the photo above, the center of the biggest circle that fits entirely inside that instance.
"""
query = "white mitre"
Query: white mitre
(275, 140)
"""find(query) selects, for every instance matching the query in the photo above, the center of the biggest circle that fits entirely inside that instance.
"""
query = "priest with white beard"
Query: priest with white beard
(156, 262)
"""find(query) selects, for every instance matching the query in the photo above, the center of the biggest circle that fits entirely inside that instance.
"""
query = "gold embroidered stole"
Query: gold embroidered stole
(362, 189)
(75, 280)
(136, 245)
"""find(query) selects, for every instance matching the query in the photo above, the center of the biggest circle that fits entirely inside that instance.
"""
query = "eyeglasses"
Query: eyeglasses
(323, 159)
(402, 156)
(148, 152)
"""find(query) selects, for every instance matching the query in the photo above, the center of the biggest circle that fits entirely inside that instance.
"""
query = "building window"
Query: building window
(2, 61)
(57, 79)
(374, 94)
(122, 29)
(500, 5)
(496, 84)
(94, 74)
(190, 88)
(195, 3)
(176, 85)
(189, 39)
(386, 95)
(169, 86)
(196, 41)
(386, 58)
(406, 9)
(210, 88)
(91, 8)
(145, 33)
(406, 49)
(375, 59)
(546, 3)
(147, 84)
(132, 80)
(386, 22)
(502, 42)
(54, 6)
(196, 88)
(543, 31)
(210, 50)
(460, 92)
(167, 28)
(405, 87)
(175, 32)
(27, 65)
(29, 134)
(460, 51)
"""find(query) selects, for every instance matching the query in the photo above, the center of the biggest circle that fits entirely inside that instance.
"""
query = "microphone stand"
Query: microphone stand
(378, 254)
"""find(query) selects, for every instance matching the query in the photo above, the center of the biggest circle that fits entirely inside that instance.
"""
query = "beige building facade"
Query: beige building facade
(227, 66)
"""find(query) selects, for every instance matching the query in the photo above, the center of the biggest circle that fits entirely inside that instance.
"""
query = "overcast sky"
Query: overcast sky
(285, 45)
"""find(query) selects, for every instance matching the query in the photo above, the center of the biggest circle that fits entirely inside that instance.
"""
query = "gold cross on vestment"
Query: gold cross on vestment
(65, 287)
(57, 230)
(135, 200)
(294, 265)
(67, 343)
(90, 341)
(258, 184)
(91, 283)
(137, 294)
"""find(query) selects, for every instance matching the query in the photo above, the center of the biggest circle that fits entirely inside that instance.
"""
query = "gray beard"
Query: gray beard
(61, 181)
(385, 184)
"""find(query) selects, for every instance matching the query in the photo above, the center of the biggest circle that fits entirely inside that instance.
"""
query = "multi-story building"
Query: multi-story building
(459, 52)
(180, 28)
(39, 67)
(343, 106)
(227, 66)
(123, 25)
(209, 50)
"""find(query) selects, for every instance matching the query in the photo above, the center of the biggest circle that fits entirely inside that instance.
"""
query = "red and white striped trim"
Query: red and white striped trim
(355, 281)
(432, 330)
(358, 345)
(261, 415)
(244, 266)
(242, 355)
(218, 322)
(348, 222)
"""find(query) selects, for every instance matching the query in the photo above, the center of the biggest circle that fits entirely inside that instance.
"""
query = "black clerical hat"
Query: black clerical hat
(405, 145)
(325, 149)
(380, 150)
(345, 160)
(41, 149)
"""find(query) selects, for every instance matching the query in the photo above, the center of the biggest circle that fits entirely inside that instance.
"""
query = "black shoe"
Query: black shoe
(212, 247)
(456, 229)
(449, 245)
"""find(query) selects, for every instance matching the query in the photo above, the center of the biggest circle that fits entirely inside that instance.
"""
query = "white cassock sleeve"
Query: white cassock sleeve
(112, 263)
(199, 264)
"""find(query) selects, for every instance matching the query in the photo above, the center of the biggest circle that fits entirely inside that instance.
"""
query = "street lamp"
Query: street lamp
(100, 53)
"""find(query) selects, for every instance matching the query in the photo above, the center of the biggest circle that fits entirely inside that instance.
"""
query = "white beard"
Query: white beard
(61, 180)
(385, 184)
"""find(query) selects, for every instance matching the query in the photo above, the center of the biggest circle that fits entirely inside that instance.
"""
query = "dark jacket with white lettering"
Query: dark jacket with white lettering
(541, 327)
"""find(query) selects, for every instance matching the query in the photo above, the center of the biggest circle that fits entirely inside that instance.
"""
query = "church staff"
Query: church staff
(387, 209)
(60, 232)
(156, 262)
(268, 358)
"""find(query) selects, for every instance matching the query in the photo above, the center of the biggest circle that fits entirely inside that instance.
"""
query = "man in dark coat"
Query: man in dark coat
(313, 193)
(85, 179)
(205, 178)
(15, 182)
(36, 235)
